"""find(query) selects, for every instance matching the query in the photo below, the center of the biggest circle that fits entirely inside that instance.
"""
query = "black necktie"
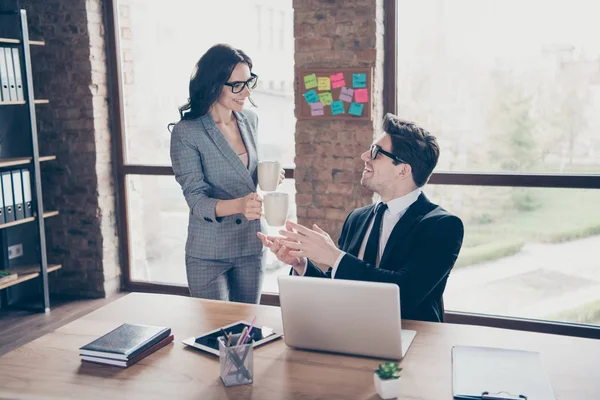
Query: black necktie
(373, 241)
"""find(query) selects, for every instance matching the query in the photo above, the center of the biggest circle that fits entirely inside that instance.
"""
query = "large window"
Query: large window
(512, 91)
(159, 44)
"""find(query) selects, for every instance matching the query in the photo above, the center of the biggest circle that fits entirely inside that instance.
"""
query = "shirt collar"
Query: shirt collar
(400, 204)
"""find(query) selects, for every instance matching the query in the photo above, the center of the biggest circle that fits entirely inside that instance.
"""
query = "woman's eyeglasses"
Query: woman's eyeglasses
(376, 150)
(238, 86)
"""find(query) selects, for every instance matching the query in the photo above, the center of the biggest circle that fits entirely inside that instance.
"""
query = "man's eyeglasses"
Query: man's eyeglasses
(376, 150)
(238, 86)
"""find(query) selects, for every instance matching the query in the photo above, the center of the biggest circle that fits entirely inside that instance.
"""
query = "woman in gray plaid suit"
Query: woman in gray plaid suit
(214, 157)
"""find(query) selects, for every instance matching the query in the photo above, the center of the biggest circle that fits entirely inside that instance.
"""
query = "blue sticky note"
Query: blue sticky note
(311, 96)
(356, 109)
(359, 80)
(337, 107)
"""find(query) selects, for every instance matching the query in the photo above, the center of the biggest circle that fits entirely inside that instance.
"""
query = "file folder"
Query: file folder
(18, 194)
(3, 77)
(7, 194)
(27, 202)
(498, 374)
(18, 76)
(1, 208)
(12, 89)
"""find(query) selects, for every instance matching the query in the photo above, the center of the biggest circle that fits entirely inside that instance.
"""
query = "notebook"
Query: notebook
(125, 342)
(491, 373)
(125, 364)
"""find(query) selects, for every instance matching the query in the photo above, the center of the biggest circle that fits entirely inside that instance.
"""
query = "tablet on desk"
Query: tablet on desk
(208, 341)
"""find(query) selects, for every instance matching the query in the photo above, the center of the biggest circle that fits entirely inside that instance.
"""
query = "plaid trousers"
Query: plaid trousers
(235, 279)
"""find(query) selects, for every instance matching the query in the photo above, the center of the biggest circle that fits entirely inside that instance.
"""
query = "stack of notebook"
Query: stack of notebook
(126, 345)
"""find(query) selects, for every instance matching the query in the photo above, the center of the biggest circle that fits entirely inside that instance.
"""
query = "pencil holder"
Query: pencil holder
(236, 361)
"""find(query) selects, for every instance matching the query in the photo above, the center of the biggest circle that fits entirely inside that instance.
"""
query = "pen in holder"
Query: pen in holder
(236, 361)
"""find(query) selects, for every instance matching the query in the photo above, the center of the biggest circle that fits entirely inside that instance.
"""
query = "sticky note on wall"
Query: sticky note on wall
(311, 96)
(326, 98)
(361, 95)
(346, 94)
(316, 109)
(337, 107)
(310, 81)
(359, 80)
(324, 83)
(337, 80)
(356, 109)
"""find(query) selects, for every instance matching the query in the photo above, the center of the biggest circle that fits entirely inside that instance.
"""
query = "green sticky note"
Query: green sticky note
(359, 80)
(326, 98)
(310, 81)
(337, 107)
(311, 96)
(356, 109)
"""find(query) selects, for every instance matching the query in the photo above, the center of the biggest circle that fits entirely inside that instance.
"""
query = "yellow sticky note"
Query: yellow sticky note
(310, 81)
(324, 83)
(326, 98)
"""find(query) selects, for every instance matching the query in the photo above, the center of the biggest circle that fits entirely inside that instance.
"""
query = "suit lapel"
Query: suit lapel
(360, 232)
(225, 148)
(249, 142)
(413, 215)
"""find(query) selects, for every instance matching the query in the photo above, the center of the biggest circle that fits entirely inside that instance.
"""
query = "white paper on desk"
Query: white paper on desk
(484, 369)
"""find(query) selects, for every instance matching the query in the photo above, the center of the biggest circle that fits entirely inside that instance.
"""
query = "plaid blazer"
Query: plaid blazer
(209, 170)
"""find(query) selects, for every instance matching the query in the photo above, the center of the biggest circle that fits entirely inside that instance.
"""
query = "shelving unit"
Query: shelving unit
(11, 162)
(20, 103)
(47, 214)
(25, 127)
(17, 41)
(26, 273)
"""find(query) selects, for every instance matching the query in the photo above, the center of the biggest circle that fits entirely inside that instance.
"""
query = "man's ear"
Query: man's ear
(404, 171)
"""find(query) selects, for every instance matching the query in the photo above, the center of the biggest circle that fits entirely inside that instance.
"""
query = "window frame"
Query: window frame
(569, 181)
(123, 169)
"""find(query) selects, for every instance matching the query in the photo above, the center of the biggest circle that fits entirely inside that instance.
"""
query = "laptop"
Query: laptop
(343, 316)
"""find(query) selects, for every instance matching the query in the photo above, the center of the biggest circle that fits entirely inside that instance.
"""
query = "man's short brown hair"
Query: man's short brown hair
(413, 144)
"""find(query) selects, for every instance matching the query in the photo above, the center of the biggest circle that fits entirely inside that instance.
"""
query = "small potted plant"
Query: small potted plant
(387, 380)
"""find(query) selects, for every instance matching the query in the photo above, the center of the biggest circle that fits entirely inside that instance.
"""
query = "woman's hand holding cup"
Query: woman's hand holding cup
(251, 206)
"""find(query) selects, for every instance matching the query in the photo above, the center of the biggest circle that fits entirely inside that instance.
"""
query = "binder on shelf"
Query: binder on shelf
(7, 194)
(12, 88)
(18, 194)
(498, 374)
(3, 77)
(2, 221)
(27, 202)
(18, 77)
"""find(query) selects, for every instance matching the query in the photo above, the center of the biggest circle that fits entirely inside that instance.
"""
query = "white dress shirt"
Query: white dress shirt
(396, 209)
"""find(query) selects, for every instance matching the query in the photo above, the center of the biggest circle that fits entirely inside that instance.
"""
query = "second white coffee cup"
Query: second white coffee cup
(276, 208)
(268, 175)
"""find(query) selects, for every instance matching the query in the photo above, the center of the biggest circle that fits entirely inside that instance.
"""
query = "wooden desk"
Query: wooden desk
(50, 367)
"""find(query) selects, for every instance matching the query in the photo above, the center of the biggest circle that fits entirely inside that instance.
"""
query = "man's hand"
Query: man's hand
(314, 244)
(283, 253)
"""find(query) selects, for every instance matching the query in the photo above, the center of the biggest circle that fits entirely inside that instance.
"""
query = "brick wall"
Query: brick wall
(336, 33)
(71, 71)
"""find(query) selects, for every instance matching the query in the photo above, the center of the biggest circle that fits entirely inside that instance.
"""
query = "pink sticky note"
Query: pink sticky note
(361, 95)
(337, 80)
(346, 94)
(316, 113)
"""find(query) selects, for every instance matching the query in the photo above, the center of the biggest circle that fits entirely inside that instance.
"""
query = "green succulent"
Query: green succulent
(389, 370)
(4, 273)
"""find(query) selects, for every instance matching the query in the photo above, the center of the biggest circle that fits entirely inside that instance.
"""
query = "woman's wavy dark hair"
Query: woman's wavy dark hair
(212, 70)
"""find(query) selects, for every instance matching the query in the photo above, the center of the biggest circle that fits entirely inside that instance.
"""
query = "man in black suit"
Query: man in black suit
(403, 239)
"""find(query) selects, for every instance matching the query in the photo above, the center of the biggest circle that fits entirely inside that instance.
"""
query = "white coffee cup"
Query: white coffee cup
(276, 208)
(268, 175)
